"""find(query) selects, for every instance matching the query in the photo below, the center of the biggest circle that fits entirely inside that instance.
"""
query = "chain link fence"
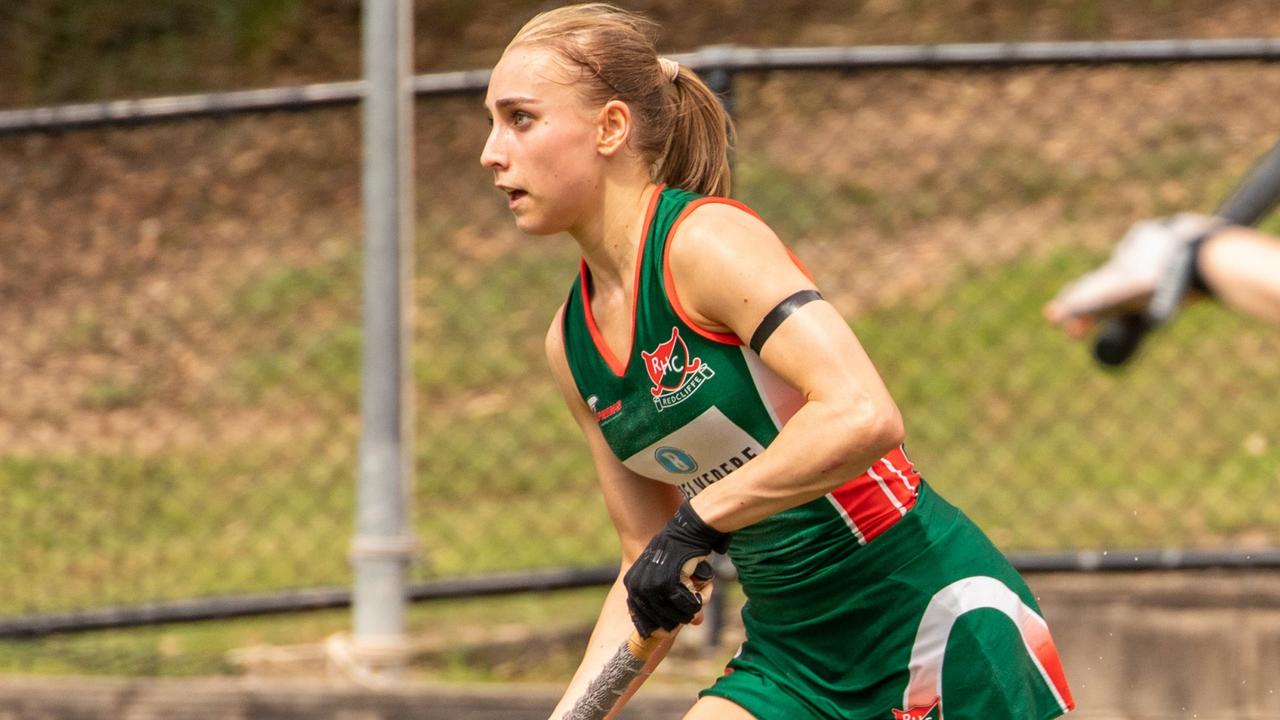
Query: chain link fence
(181, 307)
(943, 209)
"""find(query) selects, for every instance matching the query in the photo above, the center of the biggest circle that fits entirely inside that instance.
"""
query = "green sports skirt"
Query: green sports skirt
(928, 618)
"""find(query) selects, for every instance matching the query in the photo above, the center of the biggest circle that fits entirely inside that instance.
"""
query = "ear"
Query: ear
(613, 127)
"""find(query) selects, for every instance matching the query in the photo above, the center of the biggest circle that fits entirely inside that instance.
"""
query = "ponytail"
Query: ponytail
(697, 155)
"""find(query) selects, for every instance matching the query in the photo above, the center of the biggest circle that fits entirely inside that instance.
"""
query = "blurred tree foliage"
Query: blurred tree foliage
(58, 50)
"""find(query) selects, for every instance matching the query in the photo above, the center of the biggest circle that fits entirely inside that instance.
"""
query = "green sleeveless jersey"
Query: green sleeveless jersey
(688, 407)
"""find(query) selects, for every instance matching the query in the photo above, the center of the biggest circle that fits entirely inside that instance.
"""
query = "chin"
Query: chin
(536, 226)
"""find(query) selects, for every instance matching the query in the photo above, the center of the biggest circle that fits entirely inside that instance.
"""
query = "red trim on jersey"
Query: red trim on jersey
(872, 505)
(674, 296)
(619, 368)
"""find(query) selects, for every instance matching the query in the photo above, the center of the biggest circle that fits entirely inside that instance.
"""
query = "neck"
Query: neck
(610, 238)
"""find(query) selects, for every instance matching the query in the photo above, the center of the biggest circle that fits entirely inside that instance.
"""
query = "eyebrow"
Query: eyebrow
(509, 101)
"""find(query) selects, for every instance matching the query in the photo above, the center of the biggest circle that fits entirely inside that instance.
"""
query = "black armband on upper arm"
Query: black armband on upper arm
(781, 312)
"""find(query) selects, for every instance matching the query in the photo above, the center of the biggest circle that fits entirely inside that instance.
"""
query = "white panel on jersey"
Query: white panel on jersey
(703, 451)
(779, 398)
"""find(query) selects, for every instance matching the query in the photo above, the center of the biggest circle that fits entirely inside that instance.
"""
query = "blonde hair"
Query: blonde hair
(680, 128)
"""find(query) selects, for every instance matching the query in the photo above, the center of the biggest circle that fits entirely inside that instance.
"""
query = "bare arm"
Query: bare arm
(730, 271)
(1242, 267)
(638, 506)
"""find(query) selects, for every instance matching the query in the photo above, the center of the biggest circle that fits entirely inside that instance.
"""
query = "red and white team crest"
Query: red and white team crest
(922, 712)
(674, 374)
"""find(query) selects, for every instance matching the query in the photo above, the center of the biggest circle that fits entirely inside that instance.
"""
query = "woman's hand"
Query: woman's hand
(663, 583)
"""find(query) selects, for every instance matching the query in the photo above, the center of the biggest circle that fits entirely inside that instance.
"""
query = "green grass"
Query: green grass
(113, 394)
(279, 292)
(294, 354)
(453, 635)
(98, 531)
(303, 363)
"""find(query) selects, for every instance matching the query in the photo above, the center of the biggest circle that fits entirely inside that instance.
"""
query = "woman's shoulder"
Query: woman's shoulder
(717, 228)
(729, 266)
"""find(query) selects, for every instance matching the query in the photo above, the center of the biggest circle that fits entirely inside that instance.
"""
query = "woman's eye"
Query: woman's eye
(520, 117)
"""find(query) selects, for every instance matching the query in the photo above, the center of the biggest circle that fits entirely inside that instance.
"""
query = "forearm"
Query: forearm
(612, 629)
(819, 449)
(1242, 268)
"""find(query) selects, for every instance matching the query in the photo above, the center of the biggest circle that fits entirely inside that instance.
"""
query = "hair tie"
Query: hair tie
(670, 68)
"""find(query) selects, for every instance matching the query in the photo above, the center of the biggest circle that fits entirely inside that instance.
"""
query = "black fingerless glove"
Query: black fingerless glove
(656, 595)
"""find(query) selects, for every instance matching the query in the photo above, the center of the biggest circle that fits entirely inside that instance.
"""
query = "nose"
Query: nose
(494, 156)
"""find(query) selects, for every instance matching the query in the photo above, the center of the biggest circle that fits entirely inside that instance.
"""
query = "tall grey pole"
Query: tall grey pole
(720, 81)
(383, 543)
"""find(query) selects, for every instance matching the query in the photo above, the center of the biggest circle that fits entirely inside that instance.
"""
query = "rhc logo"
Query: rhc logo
(922, 712)
(674, 374)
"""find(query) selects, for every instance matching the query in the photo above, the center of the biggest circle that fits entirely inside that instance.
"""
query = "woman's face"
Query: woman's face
(542, 146)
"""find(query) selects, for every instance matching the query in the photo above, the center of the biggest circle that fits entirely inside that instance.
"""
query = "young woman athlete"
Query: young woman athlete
(728, 407)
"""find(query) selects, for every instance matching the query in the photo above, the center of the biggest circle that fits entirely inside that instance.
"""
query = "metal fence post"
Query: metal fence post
(720, 80)
(383, 543)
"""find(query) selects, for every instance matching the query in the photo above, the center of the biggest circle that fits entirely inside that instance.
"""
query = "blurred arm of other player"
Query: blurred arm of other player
(1237, 265)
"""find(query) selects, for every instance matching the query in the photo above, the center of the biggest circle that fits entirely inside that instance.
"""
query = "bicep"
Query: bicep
(638, 506)
(815, 351)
